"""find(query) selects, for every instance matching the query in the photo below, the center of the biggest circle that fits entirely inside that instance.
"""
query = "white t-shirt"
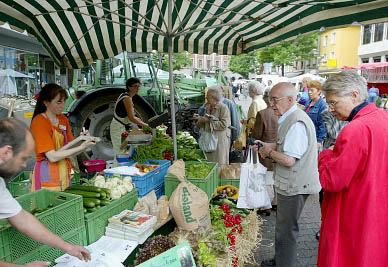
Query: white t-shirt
(9, 207)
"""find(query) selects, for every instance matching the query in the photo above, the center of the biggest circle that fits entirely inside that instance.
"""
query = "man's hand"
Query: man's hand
(77, 251)
(264, 151)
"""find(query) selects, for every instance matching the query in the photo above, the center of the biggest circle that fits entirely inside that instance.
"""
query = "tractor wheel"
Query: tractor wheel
(96, 117)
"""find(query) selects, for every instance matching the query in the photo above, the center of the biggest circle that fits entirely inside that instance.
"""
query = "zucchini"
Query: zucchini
(85, 188)
(84, 193)
(104, 202)
(103, 194)
(107, 191)
(91, 209)
(98, 207)
(85, 210)
(89, 202)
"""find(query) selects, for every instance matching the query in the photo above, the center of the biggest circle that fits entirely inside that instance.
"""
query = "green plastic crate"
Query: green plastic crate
(5, 248)
(96, 222)
(201, 155)
(47, 253)
(20, 185)
(66, 215)
(208, 185)
(234, 182)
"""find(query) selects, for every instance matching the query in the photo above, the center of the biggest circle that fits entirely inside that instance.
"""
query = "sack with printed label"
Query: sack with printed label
(188, 203)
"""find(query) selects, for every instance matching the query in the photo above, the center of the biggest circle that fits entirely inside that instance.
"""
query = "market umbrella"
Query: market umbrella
(8, 83)
(77, 32)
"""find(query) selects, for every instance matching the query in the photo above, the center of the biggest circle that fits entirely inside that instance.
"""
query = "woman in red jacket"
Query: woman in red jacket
(353, 174)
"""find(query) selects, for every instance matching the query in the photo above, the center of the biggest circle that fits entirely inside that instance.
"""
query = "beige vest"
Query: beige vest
(302, 177)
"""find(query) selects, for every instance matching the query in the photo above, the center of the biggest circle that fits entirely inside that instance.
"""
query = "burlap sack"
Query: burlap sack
(188, 203)
(231, 171)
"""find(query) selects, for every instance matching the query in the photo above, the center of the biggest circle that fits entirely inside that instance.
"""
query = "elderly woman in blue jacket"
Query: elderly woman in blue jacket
(314, 107)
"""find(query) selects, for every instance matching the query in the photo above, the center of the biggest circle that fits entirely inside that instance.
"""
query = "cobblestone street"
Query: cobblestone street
(309, 224)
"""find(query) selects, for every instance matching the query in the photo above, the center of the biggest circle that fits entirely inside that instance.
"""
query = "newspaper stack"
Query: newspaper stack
(131, 225)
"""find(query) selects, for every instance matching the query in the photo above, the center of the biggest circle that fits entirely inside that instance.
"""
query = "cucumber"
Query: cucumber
(89, 202)
(84, 193)
(104, 202)
(98, 207)
(103, 194)
(107, 191)
(85, 210)
(91, 209)
(85, 188)
(97, 201)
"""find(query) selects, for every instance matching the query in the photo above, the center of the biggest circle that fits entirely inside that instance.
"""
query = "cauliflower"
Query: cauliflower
(127, 180)
(99, 183)
(110, 184)
(129, 187)
(100, 177)
(123, 189)
(117, 181)
(115, 194)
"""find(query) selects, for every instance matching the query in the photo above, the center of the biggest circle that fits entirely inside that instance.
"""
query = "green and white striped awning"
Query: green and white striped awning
(77, 32)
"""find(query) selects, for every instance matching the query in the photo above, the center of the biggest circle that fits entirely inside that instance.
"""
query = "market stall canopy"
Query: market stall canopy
(77, 32)
(371, 65)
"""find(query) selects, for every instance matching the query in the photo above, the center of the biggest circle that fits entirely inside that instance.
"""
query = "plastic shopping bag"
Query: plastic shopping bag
(253, 189)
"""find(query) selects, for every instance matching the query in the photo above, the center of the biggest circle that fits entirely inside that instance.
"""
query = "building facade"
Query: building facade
(374, 43)
(338, 48)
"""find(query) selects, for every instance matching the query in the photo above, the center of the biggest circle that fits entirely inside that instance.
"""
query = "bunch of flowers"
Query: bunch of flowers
(124, 135)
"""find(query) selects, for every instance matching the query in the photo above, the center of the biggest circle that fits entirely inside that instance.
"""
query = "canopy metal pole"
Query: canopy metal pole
(171, 77)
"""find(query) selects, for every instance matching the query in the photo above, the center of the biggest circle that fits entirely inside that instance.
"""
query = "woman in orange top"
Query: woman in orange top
(51, 130)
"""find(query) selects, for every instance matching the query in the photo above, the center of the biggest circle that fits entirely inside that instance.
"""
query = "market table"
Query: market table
(164, 228)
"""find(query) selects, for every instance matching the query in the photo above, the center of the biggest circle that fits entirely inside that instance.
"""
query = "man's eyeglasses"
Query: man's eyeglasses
(136, 85)
(274, 100)
(332, 104)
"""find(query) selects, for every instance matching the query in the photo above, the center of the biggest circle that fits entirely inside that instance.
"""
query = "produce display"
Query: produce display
(163, 148)
(146, 167)
(200, 170)
(36, 211)
(118, 185)
(153, 247)
(228, 191)
(93, 197)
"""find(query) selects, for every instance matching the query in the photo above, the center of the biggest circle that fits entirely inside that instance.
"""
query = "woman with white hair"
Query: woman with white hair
(218, 114)
(256, 92)
(353, 176)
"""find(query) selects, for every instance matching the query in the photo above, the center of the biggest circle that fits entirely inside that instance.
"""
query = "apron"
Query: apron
(53, 175)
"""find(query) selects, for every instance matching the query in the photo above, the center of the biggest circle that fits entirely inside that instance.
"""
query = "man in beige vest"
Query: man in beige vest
(295, 171)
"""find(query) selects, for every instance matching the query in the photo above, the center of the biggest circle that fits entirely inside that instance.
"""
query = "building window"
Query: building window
(325, 40)
(225, 65)
(365, 60)
(379, 32)
(192, 62)
(217, 63)
(367, 34)
(200, 64)
(333, 37)
(377, 59)
(332, 54)
(208, 64)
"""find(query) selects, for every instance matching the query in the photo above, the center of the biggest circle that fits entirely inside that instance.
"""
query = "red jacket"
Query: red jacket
(354, 177)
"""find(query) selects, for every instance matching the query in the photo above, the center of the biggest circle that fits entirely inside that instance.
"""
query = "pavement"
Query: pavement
(309, 224)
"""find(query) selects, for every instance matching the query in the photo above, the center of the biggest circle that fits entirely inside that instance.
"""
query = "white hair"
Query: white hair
(216, 92)
(287, 89)
(346, 82)
(256, 87)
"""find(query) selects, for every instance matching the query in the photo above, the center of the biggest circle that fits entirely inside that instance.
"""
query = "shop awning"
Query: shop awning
(77, 32)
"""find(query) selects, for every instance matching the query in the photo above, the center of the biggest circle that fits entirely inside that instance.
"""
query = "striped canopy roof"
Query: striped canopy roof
(77, 32)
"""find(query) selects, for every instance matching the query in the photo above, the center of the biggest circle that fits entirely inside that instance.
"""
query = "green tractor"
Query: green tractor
(95, 89)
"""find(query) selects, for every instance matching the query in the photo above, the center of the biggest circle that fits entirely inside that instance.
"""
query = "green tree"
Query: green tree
(287, 52)
(243, 64)
(180, 60)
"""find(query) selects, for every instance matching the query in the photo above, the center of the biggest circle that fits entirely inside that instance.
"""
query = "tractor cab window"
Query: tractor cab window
(118, 69)
(143, 70)
(85, 76)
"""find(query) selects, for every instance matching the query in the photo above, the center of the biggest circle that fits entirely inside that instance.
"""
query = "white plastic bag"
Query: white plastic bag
(253, 189)
(208, 141)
